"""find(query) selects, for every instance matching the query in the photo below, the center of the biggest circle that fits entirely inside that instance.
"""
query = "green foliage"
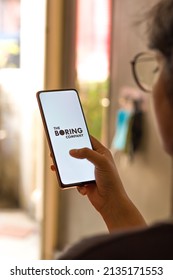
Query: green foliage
(91, 95)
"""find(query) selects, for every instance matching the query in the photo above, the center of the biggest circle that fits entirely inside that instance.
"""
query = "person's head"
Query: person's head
(160, 35)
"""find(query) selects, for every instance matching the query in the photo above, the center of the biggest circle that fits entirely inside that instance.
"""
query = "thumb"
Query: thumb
(86, 153)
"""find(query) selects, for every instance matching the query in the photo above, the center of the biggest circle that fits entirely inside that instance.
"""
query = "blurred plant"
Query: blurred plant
(91, 95)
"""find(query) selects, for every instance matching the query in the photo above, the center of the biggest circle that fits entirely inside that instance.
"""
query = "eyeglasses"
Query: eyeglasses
(145, 69)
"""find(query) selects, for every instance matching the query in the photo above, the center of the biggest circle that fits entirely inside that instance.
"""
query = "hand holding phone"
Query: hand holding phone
(66, 129)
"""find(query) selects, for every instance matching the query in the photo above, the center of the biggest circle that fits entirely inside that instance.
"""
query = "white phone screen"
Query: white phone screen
(67, 130)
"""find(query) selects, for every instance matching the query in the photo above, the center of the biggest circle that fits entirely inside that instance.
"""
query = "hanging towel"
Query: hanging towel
(122, 127)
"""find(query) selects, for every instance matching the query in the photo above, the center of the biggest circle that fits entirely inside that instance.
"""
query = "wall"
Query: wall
(148, 178)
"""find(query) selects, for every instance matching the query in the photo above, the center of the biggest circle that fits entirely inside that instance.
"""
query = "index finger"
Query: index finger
(97, 146)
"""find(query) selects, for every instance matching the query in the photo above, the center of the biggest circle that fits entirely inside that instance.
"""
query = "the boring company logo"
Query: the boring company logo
(68, 132)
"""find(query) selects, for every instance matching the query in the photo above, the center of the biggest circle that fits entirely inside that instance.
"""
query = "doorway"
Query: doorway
(22, 43)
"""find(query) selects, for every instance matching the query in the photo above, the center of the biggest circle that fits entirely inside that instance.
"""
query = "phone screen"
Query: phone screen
(66, 129)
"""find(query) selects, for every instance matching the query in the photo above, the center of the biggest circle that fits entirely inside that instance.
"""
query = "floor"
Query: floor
(19, 236)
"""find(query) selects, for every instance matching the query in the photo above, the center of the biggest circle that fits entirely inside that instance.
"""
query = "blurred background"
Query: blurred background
(87, 45)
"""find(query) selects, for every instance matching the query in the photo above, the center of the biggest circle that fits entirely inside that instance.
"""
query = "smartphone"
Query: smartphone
(66, 129)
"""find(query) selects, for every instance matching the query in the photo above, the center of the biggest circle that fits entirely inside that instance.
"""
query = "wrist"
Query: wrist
(122, 215)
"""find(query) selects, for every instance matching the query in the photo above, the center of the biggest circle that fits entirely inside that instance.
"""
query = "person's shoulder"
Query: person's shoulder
(154, 242)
